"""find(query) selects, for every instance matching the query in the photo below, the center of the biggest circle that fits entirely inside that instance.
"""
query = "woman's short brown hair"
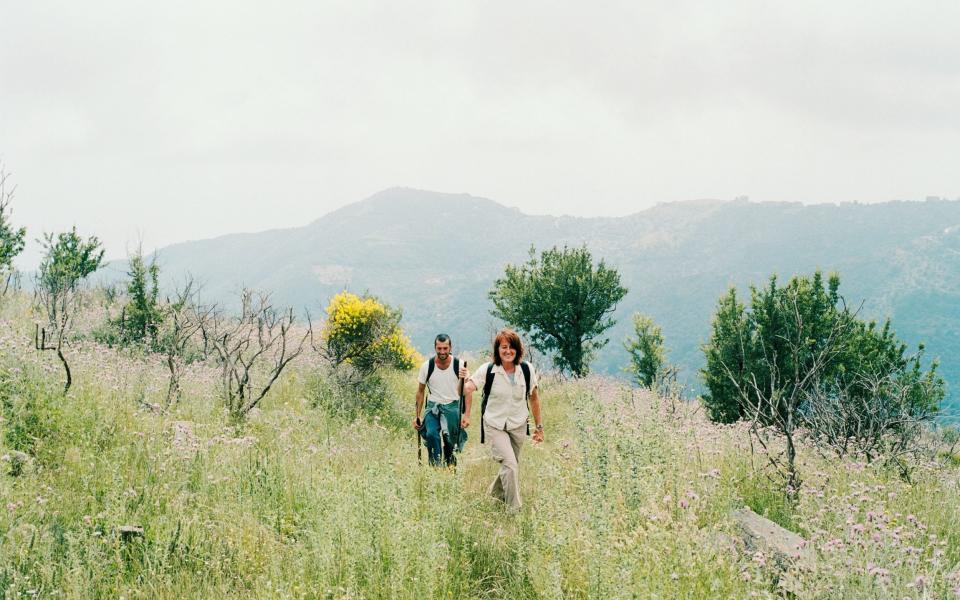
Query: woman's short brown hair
(509, 336)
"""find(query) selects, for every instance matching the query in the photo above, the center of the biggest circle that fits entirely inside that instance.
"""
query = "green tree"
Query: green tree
(800, 358)
(67, 261)
(142, 315)
(562, 301)
(773, 346)
(724, 373)
(12, 240)
(647, 354)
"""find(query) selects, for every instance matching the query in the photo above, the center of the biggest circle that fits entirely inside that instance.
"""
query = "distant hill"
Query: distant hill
(436, 255)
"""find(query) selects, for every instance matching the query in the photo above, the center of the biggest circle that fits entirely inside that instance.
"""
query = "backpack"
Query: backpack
(488, 385)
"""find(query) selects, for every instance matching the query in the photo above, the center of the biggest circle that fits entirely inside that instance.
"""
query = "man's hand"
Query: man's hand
(464, 373)
(464, 421)
(416, 423)
(537, 436)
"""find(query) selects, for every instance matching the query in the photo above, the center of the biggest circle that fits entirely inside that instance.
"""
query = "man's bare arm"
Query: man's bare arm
(416, 416)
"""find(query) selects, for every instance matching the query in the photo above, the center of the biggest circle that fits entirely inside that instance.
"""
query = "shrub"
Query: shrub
(140, 321)
(647, 355)
(364, 333)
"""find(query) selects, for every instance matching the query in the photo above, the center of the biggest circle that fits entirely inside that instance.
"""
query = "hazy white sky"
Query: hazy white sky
(184, 120)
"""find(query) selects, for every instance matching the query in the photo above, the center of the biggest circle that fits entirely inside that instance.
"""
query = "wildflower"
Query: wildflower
(683, 504)
(759, 558)
(920, 582)
(833, 544)
(879, 572)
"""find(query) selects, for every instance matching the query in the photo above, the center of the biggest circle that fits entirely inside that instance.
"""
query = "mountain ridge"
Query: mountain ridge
(436, 255)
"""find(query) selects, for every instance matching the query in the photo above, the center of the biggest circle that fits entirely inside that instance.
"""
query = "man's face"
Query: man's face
(443, 350)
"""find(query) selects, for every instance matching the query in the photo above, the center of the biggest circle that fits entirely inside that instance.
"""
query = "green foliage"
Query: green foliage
(562, 301)
(802, 335)
(725, 370)
(647, 354)
(352, 398)
(774, 346)
(365, 333)
(12, 240)
(143, 315)
(873, 354)
(68, 260)
(28, 409)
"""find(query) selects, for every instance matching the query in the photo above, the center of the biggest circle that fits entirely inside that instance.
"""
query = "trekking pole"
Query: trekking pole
(419, 442)
(460, 407)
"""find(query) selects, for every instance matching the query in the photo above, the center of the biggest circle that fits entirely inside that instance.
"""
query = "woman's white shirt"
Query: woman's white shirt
(507, 405)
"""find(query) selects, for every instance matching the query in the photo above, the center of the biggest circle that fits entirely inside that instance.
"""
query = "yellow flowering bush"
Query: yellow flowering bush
(363, 332)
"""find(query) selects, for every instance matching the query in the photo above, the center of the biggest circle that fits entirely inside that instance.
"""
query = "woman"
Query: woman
(505, 412)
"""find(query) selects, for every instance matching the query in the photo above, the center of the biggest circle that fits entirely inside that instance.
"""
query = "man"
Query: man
(444, 424)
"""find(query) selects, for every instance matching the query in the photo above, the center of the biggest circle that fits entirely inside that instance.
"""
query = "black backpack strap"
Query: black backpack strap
(487, 386)
(430, 367)
(526, 380)
(456, 367)
(525, 367)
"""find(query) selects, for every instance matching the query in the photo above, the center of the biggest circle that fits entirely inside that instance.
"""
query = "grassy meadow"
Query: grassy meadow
(629, 497)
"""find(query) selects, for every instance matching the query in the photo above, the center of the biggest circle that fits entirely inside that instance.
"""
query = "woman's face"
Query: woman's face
(507, 353)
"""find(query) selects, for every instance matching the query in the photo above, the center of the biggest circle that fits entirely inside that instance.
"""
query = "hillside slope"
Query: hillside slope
(629, 496)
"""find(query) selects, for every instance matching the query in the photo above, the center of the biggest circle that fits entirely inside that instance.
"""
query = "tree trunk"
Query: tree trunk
(66, 367)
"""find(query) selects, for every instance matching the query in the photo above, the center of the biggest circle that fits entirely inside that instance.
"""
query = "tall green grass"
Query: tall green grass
(308, 499)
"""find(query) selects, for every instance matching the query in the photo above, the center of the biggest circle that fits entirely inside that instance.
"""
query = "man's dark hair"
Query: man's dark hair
(441, 337)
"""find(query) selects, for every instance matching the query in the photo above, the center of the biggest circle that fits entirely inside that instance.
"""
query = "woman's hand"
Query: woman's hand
(537, 436)
(465, 421)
